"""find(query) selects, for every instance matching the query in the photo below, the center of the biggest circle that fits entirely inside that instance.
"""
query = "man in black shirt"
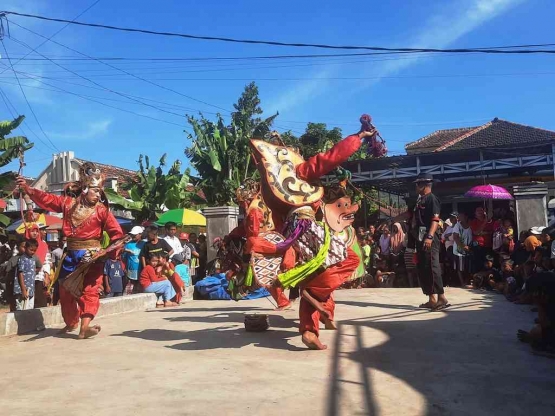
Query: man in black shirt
(425, 229)
(154, 245)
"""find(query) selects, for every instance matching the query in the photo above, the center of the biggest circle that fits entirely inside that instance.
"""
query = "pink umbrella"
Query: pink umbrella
(488, 192)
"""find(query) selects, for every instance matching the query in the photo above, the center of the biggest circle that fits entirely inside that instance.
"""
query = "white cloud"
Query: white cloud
(441, 30)
(91, 131)
(301, 92)
(445, 28)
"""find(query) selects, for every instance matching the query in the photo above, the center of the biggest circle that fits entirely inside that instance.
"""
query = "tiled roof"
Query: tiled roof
(433, 140)
(123, 176)
(504, 133)
(492, 134)
(11, 186)
(126, 176)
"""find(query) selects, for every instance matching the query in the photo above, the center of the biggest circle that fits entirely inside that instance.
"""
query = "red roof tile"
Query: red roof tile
(496, 133)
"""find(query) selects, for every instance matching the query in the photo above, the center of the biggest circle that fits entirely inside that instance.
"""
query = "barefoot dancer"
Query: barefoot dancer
(86, 216)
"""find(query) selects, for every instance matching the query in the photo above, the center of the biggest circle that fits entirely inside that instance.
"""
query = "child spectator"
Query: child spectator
(183, 271)
(509, 280)
(131, 253)
(10, 271)
(28, 266)
(113, 276)
(152, 282)
(488, 274)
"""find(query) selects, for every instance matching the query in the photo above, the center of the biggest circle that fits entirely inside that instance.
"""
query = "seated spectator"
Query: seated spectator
(538, 257)
(533, 241)
(488, 273)
(153, 282)
(509, 281)
(542, 336)
(167, 268)
(522, 296)
(520, 254)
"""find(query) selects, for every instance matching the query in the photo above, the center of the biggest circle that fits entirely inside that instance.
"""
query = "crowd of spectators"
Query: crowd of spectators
(148, 263)
(479, 252)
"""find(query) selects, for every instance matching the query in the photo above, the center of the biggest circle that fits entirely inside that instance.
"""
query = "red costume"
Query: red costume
(287, 194)
(83, 228)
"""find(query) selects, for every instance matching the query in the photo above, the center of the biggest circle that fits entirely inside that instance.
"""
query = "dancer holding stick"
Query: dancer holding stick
(85, 216)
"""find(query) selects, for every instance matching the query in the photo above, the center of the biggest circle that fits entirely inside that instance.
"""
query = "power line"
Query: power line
(125, 72)
(101, 86)
(54, 147)
(13, 114)
(55, 33)
(495, 49)
(115, 78)
(58, 89)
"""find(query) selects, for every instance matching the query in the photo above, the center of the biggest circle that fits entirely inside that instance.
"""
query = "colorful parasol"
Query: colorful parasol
(41, 220)
(182, 216)
(488, 192)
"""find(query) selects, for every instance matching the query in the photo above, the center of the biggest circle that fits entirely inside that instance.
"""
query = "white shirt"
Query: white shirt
(449, 230)
(465, 234)
(175, 244)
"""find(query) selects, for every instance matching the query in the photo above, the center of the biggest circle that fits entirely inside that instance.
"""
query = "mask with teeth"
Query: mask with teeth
(339, 211)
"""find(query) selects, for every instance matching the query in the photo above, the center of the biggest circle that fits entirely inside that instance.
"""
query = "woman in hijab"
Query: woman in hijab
(42, 279)
(397, 243)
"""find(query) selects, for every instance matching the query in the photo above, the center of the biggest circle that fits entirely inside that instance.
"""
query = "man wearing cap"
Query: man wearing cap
(425, 229)
(131, 253)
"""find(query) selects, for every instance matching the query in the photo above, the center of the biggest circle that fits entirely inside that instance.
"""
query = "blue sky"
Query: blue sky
(408, 97)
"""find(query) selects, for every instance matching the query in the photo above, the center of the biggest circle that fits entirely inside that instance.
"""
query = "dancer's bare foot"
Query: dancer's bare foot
(312, 341)
(159, 305)
(89, 332)
(170, 304)
(67, 329)
(284, 308)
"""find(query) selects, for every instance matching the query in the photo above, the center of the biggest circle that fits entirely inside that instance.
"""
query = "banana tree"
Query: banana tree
(154, 190)
(220, 152)
(10, 148)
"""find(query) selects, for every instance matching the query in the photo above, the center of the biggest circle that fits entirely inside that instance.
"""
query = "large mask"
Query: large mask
(339, 211)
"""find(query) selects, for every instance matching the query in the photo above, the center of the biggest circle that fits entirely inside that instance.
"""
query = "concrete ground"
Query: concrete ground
(387, 358)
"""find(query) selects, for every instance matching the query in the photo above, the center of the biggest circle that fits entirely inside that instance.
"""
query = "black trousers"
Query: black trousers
(429, 270)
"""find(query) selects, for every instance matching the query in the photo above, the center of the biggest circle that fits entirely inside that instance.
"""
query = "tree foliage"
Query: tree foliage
(10, 148)
(220, 153)
(155, 190)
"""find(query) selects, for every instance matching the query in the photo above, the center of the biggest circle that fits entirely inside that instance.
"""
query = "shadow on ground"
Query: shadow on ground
(466, 362)
(228, 336)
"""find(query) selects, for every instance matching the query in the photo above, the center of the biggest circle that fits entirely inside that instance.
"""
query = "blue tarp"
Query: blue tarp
(214, 287)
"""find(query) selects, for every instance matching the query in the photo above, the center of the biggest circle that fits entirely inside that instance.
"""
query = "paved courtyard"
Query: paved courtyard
(387, 358)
